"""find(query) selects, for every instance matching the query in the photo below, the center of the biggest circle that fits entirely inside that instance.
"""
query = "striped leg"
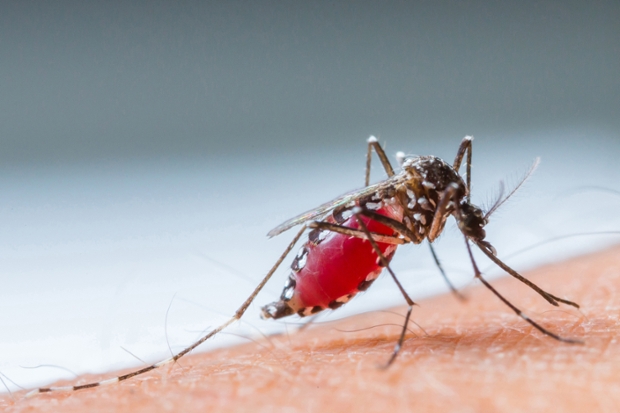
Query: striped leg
(238, 314)
(384, 261)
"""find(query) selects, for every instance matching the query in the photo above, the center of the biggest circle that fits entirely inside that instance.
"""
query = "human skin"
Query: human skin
(473, 356)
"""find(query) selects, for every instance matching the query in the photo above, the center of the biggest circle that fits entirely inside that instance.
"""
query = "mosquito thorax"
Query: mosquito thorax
(429, 179)
(434, 174)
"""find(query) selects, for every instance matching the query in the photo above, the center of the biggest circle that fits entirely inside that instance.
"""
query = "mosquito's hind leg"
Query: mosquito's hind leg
(341, 229)
(238, 314)
(520, 313)
(374, 144)
(385, 263)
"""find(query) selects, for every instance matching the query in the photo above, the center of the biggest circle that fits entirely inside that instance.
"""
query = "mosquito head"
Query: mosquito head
(471, 221)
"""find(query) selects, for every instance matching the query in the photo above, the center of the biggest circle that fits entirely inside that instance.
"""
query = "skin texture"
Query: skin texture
(477, 356)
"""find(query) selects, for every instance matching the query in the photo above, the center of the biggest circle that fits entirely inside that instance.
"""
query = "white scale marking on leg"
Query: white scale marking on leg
(108, 381)
(62, 388)
(164, 362)
(32, 393)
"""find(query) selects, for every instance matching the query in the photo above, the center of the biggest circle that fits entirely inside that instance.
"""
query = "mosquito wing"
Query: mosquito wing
(344, 199)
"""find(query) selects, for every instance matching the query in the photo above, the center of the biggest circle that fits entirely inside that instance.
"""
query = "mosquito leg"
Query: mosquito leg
(386, 264)
(385, 239)
(177, 356)
(374, 144)
(445, 277)
(442, 209)
(549, 297)
(487, 249)
(397, 226)
(241, 310)
(520, 313)
(411, 237)
(465, 146)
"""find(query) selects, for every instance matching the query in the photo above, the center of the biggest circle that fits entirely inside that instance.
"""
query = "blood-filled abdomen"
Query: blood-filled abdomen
(331, 268)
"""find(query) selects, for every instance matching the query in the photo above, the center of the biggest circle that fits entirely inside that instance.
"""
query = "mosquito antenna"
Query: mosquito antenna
(516, 188)
(498, 198)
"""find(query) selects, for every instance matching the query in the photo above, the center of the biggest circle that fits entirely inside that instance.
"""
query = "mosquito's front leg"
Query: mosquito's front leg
(465, 146)
(548, 296)
(449, 195)
(445, 276)
(443, 206)
(520, 313)
(374, 144)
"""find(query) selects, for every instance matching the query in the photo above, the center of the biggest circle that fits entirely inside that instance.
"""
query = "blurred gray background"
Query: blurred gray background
(146, 148)
(83, 81)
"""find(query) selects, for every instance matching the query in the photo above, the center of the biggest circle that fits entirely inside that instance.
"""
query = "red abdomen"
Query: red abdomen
(330, 268)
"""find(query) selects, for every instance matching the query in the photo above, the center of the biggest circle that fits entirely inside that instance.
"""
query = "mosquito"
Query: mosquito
(353, 238)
